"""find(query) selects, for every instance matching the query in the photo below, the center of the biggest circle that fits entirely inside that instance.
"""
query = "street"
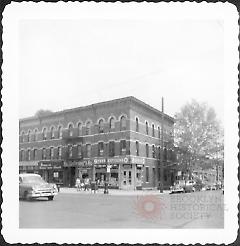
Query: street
(88, 210)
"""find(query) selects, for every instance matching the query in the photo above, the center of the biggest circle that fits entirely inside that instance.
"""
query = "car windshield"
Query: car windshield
(33, 179)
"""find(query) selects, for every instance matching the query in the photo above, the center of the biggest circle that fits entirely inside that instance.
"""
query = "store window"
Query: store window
(147, 150)
(153, 152)
(70, 130)
(59, 152)
(88, 146)
(79, 129)
(111, 148)
(153, 130)
(51, 153)
(35, 154)
(60, 132)
(147, 174)
(70, 151)
(123, 123)
(146, 127)
(52, 132)
(137, 125)
(79, 150)
(100, 148)
(123, 148)
(44, 134)
(88, 128)
(112, 123)
(137, 148)
(101, 126)
(44, 154)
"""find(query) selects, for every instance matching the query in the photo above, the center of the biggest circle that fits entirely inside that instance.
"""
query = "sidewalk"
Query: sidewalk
(114, 192)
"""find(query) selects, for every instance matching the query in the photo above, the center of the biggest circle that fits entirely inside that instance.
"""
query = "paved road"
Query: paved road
(86, 210)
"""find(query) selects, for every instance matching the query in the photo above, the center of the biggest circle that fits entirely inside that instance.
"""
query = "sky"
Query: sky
(70, 63)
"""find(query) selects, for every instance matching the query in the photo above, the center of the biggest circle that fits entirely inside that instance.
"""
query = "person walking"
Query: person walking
(78, 183)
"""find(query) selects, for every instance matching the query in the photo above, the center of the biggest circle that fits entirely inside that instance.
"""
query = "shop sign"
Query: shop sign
(137, 160)
(84, 164)
(127, 166)
(116, 160)
(49, 165)
(99, 161)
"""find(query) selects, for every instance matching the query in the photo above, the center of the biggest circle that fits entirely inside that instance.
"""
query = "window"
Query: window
(44, 133)
(44, 156)
(147, 150)
(123, 147)
(137, 148)
(88, 128)
(112, 123)
(22, 136)
(59, 152)
(111, 148)
(60, 132)
(88, 146)
(70, 130)
(100, 149)
(159, 152)
(70, 151)
(146, 127)
(29, 154)
(165, 154)
(29, 135)
(52, 132)
(137, 125)
(79, 150)
(159, 132)
(123, 123)
(35, 135)
(153, 130)
(79, 129)
(147, 174)
(51, 153)
(35, 154)
(101, 126)
(153, 151)
(22, 155)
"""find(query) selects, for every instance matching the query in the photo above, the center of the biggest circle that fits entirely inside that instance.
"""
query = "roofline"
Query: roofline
(129, 98)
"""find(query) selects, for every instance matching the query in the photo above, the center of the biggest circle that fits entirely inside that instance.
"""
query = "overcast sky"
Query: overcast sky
(71, 63)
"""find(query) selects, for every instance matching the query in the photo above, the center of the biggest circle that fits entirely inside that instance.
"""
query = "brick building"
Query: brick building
(117, 141)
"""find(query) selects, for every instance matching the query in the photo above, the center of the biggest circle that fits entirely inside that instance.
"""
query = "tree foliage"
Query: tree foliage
(198, 133)
(43, 112)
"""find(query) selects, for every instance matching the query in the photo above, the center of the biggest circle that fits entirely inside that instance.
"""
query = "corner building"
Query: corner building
(118, 141)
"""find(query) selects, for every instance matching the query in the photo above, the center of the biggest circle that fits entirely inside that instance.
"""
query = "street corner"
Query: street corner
(149, 207)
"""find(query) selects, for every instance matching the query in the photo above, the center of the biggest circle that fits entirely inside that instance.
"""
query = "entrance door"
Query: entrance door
(72, 176)
(127, 181)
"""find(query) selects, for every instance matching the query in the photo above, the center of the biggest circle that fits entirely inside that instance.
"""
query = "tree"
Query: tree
(43, 112)
(198, 134)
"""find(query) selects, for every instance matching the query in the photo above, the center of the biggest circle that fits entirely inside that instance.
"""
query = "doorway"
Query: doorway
(127, 181)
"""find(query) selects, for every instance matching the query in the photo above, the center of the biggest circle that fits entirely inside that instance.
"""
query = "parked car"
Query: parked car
(33, 186)
(178, 186)
(189, 186)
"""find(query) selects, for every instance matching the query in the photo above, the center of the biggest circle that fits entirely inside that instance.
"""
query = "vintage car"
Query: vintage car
(177, 187)
(33, 186)
(189, 186)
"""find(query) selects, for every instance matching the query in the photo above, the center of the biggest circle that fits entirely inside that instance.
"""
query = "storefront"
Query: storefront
(28, 167)
(120, 173)
(51, 171)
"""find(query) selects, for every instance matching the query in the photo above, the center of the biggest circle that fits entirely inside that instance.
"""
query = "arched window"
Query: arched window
(22, 136)
(70, 151)
(147, 150)
(101, 126)
(29, 155)
(35, 154)
(146, 127)
(44, 154)
(70, 130)
(52, 132)
(59, 152)
(112, 123)
(44, 133)
(88, 128)
(51, 153)
(28, 136)
(153, 151)
(35, 135)
(22, 155)
(79, 129)
(137, 148)
(137, 125)
(153, 130)
(159, 132)
(123, 123)
(60, 132)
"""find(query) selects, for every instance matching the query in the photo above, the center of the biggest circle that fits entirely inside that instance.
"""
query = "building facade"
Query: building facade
(118, 141)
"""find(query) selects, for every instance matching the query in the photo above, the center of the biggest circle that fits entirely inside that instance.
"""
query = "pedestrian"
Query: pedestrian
(78, 183)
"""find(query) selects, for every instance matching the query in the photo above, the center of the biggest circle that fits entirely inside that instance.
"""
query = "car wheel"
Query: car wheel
(50, 198)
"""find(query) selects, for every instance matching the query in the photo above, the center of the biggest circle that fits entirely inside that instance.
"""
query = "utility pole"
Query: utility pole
(161, 150)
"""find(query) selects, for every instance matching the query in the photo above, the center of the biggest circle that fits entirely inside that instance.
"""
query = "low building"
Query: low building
(117, 141)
